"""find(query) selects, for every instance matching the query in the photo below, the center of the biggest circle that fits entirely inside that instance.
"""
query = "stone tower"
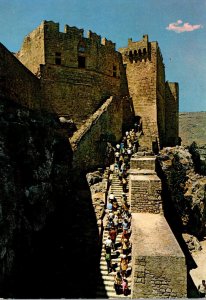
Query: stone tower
(145, 73)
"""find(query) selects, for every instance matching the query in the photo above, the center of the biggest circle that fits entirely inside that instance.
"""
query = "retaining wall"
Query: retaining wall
(17, 82)
(158, 263)
(159, 267)
(90, 142)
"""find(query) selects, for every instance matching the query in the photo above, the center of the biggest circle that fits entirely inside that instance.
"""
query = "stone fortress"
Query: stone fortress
(77, 75)
(104, 91)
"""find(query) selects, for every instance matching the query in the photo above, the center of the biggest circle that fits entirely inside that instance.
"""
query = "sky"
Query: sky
(179, 27)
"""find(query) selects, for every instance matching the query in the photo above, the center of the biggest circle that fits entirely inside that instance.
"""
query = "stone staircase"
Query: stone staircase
(105, 286)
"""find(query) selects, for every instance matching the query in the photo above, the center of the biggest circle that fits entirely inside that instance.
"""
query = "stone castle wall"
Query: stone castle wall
(76, 93)
(77, 74)
(146, 82)
(172, 113)
(89, 143)
(159, 267)
(32, 52)
(145, 186)
(17, 83)
(158, 263)
(141, 76)
(161, 98)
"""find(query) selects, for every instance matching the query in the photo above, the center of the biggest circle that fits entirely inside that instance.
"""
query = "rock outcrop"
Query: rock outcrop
(185, 189)
(35, 164)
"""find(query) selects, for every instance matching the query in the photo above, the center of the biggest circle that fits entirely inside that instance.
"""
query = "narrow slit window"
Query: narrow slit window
(114, 71)
(58, 59)
(81, 62)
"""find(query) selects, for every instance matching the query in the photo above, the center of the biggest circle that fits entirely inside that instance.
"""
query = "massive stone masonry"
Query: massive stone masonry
(70, 67)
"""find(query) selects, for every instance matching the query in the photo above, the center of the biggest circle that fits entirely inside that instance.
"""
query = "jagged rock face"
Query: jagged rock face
(35, 163)
(185, 188)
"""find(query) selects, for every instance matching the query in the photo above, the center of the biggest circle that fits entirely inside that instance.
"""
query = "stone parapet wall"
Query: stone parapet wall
(143, 163)
(159, 268)
(145, 193)
(17, 83)
(32, 52)
(76, 92)
(90, 142)
(172, 113)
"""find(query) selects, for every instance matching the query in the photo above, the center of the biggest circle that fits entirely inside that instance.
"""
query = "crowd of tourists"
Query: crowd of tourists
(119, 216)
(118, 220)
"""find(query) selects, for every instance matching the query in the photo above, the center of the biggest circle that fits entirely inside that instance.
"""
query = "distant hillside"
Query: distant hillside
(192, 127)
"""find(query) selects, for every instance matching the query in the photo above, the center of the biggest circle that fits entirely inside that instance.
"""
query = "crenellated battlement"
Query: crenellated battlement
(73, 31)
(72, 65)
(108, 43)
(76, 33)
(136, 51)
(94, 37)
(51, 26)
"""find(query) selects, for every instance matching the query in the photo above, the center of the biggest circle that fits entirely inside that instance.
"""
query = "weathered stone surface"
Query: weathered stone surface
(155, 101)
(144, 186)
(192, 242)
(185, 188)
(35, 164)
(99, 184)
(91, 143)
(85, 87)
(163, 274)
(17, 82)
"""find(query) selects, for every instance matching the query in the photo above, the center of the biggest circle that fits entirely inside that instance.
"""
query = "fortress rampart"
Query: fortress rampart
(17, 83)
(89, 143)
(77, 74)
(172, 113)
(145, 73)
(104, 91)
(159, 265)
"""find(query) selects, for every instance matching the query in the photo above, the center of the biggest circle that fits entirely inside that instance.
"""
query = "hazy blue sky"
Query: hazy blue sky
(179, 26)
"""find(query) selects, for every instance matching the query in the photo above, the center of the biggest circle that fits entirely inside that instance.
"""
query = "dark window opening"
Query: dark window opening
(81, 62)
(58, 58)
(130, 56)
(144, 51)
(81, 47)
(139, 52)
(114, 71)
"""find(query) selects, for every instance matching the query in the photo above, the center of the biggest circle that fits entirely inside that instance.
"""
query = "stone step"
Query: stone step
(103, 265)
(110, 276)
(106, 282)
(118, 238)
(108, 288)
(109, 279)
(110, 294)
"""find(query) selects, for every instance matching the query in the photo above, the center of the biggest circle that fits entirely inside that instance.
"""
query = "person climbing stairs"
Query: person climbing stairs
(105, 287)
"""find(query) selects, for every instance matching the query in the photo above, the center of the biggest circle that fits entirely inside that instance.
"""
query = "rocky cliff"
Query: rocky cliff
(43, 221)
(184, 191)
